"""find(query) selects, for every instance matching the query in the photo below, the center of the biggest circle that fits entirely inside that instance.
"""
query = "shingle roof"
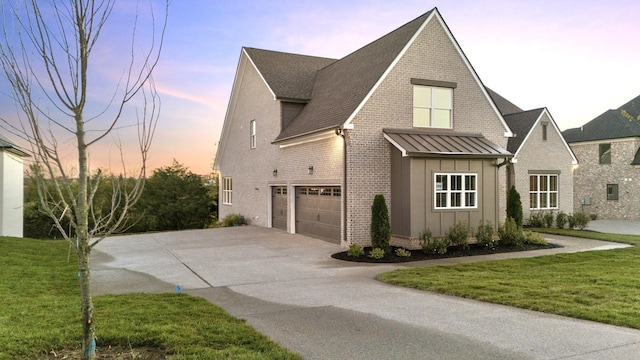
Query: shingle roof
(609, 125)
(504, 106)
(521, 123)
(340, 87)
(290, 76)
(7, 145)
(434, 143)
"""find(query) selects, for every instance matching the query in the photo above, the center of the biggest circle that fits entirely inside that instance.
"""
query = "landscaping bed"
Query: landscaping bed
(452, 251)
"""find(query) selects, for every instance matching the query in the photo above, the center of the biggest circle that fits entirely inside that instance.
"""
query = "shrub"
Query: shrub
(548, 219)
(233, 220)
(593, 216)
(485, 234)
(514, 206)
(536, 219)
(561, 220)
(458, 234)
(403, 252)
(510, 234)
(431, 245)
(533, 238)
(380, 225)
(355, 250)
(376, 253)
(571, 219)
(581, 219)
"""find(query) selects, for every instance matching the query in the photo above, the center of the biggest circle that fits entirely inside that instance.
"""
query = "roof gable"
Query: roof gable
(521, 124)
(341, 87)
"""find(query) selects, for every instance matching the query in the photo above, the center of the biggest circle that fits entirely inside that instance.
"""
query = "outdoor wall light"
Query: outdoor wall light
(275, 172)
(310, 169)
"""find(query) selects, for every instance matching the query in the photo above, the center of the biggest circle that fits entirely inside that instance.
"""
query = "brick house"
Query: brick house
(607, 182)
(308, 142)
(543, 179)
(11, 188)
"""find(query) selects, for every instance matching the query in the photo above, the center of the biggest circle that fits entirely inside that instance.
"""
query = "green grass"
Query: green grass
(40, 311)
(602, 286)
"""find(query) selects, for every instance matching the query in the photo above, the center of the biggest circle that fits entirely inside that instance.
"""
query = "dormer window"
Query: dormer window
(432, 103)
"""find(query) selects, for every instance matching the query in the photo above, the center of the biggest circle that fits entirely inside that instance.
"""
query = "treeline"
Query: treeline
(174, 198)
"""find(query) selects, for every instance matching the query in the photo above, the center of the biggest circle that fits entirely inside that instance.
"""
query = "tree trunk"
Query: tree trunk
(88, 327)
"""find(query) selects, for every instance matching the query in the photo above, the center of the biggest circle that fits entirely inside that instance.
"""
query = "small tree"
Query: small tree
(514, 206)
(380, 225)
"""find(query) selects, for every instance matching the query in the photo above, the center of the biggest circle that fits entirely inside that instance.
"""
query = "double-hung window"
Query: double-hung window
(604, 152)
(543, 191)
(455, 191)
(432, 106)
(227, 191)
(252, 130)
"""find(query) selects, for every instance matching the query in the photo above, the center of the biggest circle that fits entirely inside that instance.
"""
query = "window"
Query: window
(544, 132)
(605, 153)
(227, 190)
(432, 106)
(543, 192)
(455, 191)
(252, 129)
(612, 191)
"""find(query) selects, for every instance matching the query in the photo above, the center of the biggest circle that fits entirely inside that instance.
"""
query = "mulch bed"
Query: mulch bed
(452, 251)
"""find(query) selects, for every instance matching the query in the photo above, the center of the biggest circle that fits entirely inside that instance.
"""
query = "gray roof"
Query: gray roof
(609, 125)
(7, 145)
(290, 76)
(441, 143)
(504, 106)
(340, 87)
(520, 124)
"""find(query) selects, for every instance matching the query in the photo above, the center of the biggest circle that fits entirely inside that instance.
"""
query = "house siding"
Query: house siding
(591, 179)
(252, 169)
(11, 193)
(538, 156)
(432, 56)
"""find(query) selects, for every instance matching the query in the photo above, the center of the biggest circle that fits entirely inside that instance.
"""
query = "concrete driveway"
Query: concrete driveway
(287, 287)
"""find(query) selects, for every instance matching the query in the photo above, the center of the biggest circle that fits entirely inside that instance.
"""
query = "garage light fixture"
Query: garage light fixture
(275, 172)
(310, 170)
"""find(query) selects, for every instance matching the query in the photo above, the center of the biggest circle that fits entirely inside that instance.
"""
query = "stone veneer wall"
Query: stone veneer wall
(591, 179)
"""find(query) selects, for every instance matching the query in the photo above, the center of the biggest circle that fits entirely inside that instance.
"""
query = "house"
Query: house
(607, 182)
(11, 188)
(307, 142)
(543, 163)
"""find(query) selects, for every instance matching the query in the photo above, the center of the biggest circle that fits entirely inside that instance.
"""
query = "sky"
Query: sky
(577, 58)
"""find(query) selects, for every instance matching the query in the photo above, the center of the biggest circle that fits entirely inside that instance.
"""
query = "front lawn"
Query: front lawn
(602, 286)
(40, 314)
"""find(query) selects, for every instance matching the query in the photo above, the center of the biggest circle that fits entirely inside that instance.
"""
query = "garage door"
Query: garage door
(279, 211)
(318, 212)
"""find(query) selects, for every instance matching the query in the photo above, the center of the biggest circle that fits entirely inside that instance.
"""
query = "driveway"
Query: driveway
(289, 288)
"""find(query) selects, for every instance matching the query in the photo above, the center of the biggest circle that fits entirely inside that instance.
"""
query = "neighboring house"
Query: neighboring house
(607, 182)
(11, 188)
(308, 142)
(543, 163)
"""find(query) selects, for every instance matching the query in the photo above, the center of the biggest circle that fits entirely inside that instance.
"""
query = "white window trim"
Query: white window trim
(548, 191)
(448, 191)
(227, 190)
(433, 108)
(253, 137)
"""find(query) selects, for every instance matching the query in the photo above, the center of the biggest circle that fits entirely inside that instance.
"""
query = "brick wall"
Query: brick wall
(550, 155)
(591, 179)
(432, 56)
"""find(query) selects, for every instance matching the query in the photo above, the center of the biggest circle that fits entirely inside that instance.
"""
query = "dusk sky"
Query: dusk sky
(577, 58)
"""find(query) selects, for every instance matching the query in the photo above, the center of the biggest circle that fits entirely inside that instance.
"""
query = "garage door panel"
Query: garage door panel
(279, 215)
(318, 212)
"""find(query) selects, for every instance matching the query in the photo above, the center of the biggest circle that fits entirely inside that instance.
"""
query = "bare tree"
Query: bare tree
(47, 56)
